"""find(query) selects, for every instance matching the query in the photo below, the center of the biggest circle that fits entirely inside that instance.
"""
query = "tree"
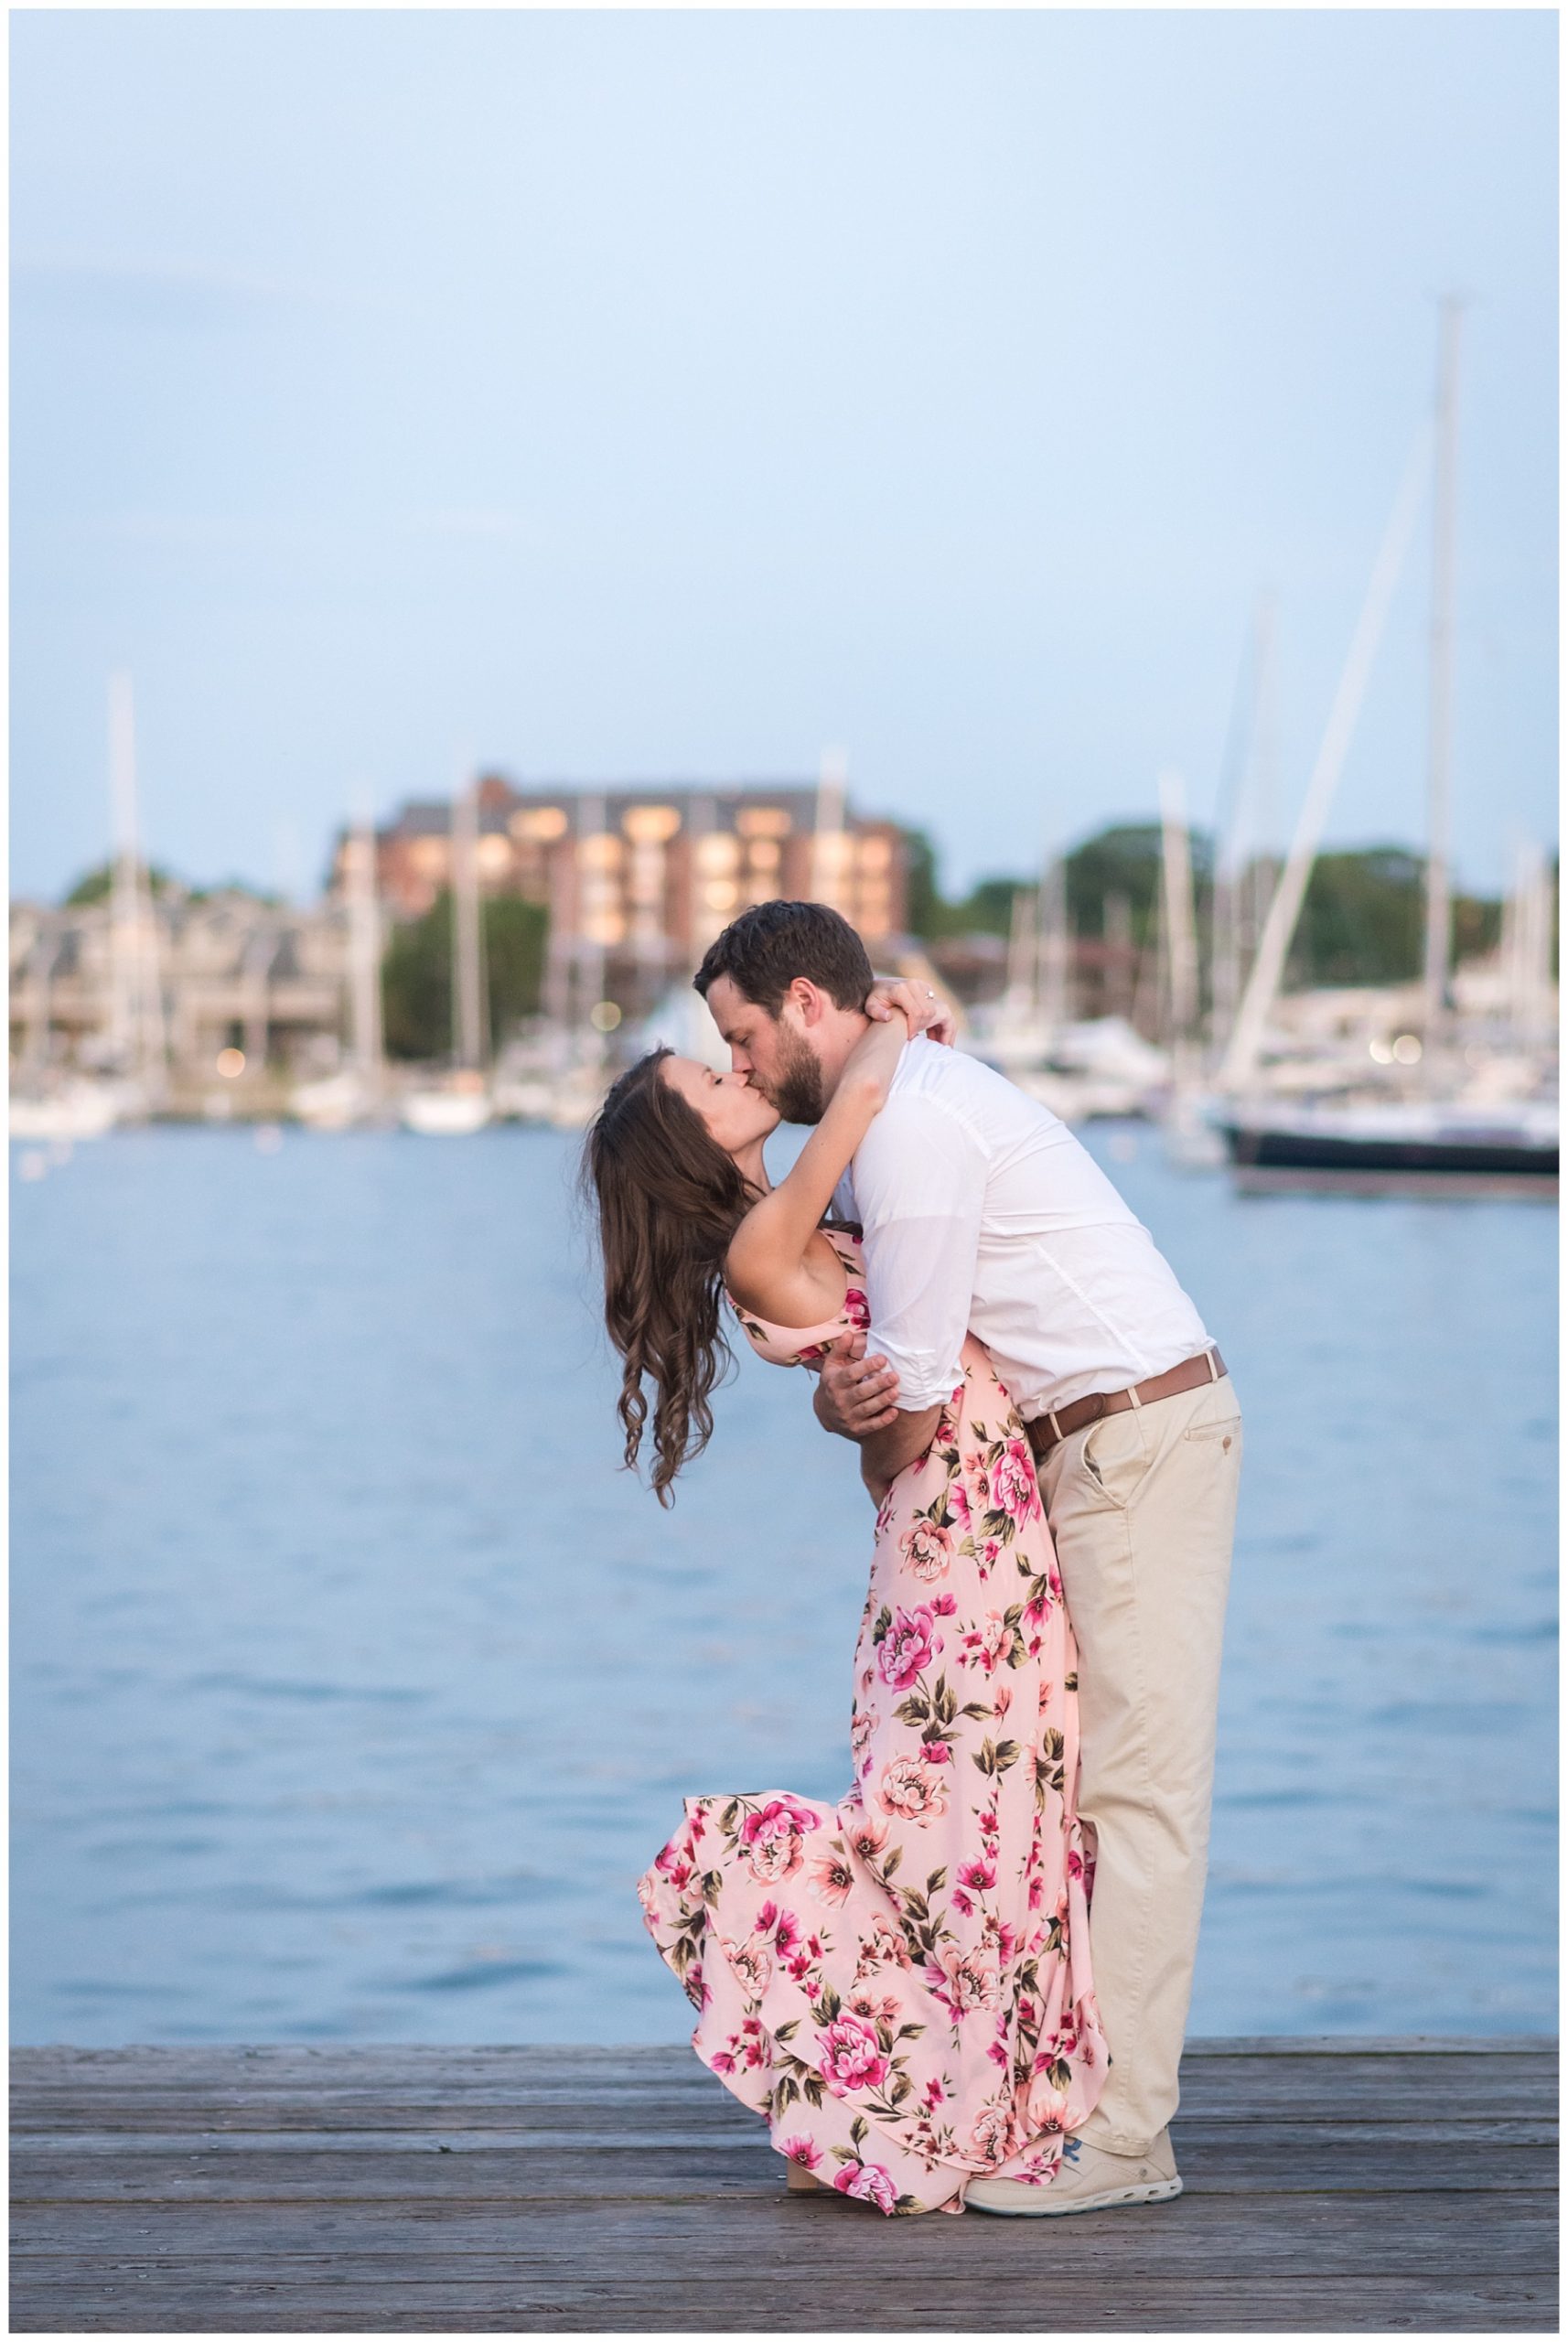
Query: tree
(986, 909)
(416, 975)
(1128, 859)
(1362, 922)
(1123, 859)
(97, 884)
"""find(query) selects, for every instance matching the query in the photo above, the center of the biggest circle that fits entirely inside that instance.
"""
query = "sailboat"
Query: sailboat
(45, 1105)
(357, 1093)
(1082, 1068)
(1191, 1142)
(1450, 1131)
(460, 1105)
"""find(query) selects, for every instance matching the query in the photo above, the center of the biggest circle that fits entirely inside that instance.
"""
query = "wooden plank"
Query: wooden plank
(197, 2167)
(1507, 2234)
(585, 2057)
(62, 2145)
(447, 2305)
(1330, 2188)
(47, 2075)
(1315, 2235)
(1310, 2090)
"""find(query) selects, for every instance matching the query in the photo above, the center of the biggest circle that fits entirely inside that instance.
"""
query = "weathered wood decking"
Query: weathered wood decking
(1329, 2186)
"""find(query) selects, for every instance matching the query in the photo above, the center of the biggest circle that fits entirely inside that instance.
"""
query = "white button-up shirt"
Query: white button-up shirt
(982, 1211)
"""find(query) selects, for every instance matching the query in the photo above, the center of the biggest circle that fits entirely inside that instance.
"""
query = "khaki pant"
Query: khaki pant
(1142, 1508)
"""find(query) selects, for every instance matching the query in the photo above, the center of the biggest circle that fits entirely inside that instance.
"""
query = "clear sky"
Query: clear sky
(627, 396)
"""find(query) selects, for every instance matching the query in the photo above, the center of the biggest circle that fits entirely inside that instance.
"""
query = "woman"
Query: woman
(899, 1983)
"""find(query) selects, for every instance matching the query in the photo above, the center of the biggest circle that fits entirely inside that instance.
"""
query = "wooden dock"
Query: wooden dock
(1331, 2186)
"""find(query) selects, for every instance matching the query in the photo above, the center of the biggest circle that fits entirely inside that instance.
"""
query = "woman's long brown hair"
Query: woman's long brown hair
(669, 1199)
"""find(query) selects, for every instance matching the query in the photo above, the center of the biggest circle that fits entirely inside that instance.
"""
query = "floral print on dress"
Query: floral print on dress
(899, 1984)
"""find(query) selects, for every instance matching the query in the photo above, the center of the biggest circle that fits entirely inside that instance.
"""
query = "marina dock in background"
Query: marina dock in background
(1332, 2185)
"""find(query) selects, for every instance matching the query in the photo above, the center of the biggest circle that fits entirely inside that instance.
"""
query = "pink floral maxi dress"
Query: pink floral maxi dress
(900, 1982)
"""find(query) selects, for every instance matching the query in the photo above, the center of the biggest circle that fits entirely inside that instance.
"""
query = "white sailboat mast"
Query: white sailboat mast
(468, 990)
(1285, 908)
(1051, 942)
(1180, 925)
(365, 953)
(1439, 782)
(1021, 951)
(137, 994)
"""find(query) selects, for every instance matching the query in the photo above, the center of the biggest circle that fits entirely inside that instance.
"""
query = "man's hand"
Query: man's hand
(856, 1395)
(886, 1453)
(925, 1013)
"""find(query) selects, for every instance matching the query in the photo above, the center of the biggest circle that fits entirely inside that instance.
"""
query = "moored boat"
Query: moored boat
(1419, 1137)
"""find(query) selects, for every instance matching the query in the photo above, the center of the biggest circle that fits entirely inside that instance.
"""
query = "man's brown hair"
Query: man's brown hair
(764, 949)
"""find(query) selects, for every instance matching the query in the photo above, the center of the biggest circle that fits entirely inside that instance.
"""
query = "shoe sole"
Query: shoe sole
(1115, 2200)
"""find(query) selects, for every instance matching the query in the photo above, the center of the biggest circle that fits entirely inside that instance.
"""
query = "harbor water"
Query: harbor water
(354, 1683)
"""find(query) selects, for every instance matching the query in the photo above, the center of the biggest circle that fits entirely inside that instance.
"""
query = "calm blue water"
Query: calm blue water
(354, 1684)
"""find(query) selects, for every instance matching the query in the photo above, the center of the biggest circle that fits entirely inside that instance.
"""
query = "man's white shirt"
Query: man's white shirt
(982, 1213)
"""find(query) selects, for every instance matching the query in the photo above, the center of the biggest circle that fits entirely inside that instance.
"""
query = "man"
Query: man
(981, 1211)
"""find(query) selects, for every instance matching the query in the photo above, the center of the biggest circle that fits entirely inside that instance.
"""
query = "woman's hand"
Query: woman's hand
(869, 1069)
(924, 1010)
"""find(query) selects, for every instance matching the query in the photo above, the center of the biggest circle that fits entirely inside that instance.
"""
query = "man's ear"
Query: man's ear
(808, 1000)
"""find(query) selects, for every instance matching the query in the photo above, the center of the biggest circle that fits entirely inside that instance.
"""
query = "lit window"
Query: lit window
(717, 852)
(651, 824)
(539, 822)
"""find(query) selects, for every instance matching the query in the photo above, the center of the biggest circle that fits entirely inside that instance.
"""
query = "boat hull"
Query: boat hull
(445, 1113)
(1270, 1148)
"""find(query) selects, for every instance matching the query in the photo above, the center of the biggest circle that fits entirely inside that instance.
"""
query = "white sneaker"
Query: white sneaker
(1090, 2179)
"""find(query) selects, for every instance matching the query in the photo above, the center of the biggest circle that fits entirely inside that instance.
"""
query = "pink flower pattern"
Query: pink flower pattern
(899, 1984)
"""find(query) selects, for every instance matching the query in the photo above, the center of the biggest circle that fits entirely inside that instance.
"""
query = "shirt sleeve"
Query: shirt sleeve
(920, 1185)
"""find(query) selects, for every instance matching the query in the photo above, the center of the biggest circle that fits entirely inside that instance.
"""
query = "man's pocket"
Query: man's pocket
(1115, 1456)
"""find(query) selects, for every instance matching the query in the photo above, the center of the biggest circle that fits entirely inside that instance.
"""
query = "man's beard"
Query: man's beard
(797, 1091)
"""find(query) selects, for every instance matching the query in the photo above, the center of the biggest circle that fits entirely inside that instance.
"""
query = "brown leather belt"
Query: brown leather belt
(1049, 1431)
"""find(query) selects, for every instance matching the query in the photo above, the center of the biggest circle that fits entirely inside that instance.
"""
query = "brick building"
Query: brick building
(217, 970)
(637, 881)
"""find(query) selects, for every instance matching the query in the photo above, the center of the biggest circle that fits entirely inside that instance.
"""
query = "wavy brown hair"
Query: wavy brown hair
(669, 1200)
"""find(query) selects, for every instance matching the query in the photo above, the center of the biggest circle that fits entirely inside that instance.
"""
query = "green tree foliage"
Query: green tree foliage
(1123, 860)
(986, 909)
(416, 975)
(1126, 859)
(1363, 921)
(97, 884)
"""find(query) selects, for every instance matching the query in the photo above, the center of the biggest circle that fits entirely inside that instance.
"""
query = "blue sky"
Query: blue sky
(656, 395)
